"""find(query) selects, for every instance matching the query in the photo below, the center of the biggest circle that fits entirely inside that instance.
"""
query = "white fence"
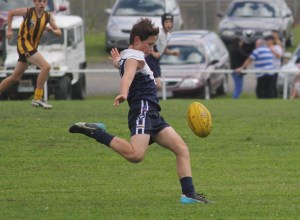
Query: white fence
(164, 96)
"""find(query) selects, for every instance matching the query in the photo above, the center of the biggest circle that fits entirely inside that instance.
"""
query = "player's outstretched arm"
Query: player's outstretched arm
(53, 27)
(11, 14)
(131, 66)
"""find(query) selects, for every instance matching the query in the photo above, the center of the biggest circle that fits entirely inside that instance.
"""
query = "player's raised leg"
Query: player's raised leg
(38, 60)
(133, 151)
(15, 77)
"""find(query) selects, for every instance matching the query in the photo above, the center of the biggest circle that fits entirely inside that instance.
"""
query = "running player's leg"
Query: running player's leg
(15, 77)
(38, 60)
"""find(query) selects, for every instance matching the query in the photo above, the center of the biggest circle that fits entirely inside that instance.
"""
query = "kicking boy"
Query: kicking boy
(31, 30)
(144, 120)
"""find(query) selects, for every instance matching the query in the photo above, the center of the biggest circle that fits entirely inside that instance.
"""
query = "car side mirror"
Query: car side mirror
(71, 43)
(286, 57)
(220, 14)
(287, 15)
(62, 8)
(108, 11)
(213, 62)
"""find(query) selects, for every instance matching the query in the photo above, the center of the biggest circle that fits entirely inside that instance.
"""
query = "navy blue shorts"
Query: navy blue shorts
(145, 119)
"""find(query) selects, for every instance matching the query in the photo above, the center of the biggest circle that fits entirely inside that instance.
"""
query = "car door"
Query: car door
(72, 49)
(218, 59)
(288, 21)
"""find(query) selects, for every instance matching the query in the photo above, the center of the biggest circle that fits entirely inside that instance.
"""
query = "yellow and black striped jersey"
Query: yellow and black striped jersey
(31, 30)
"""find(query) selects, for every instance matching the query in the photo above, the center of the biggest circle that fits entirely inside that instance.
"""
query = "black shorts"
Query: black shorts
(145, 119)
(23, 57)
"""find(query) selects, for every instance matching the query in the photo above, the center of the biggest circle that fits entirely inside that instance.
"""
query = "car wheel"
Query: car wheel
(79, 88)
(206, 91)
(290, 41)
(3, 96)
(64, 89)
(284, 41)
(222, 90)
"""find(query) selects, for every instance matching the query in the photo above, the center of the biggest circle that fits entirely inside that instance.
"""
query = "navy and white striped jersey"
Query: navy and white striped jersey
(263, 59)
(143, 86)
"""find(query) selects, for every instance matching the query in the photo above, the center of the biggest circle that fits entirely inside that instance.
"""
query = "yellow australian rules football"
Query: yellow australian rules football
(199, 119)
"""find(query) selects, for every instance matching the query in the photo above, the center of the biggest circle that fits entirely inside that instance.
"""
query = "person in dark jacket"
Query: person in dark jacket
(237, 58)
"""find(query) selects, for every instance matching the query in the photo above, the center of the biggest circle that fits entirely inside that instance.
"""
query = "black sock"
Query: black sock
(102, 137)
(187, 186)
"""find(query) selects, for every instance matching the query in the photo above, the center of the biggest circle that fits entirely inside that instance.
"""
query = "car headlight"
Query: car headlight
(189, 83)
(228, 33)
(112, 27)
(57, 67)
(266, 33)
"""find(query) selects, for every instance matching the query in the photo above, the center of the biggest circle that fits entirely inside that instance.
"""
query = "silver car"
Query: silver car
(253, 19)
(125, 14)
(194, 73)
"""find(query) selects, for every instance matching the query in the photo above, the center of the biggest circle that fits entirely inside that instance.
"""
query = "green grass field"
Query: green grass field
(249, 164)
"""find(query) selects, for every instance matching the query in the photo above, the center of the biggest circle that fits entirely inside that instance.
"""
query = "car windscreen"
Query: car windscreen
(254, 9)
(48, 38)
(187, 55)
(13, 4)
(140, 8)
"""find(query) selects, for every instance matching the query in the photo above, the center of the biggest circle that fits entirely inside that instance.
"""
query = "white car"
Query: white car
(125, 14)
(65, 53)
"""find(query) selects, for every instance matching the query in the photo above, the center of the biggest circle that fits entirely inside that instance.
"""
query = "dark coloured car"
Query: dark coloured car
(253, 19)
(193, 73)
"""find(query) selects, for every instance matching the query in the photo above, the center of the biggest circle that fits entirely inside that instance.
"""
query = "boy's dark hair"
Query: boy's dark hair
(144, 28)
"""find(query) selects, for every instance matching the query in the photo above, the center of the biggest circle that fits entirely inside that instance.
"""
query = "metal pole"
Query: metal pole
(164, 89)
(285, 86)
(83, 9)
(218, 6)
(46, 91)
(204, 22)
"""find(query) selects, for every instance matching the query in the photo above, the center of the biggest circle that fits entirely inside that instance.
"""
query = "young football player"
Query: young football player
(144, 120)
(31, 30)
(161, 48)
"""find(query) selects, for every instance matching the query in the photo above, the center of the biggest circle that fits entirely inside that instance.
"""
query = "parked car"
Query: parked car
(293, 65)
(191, 74)
(55, 6)
(125, 14)
(253, 19)
(65, 54)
